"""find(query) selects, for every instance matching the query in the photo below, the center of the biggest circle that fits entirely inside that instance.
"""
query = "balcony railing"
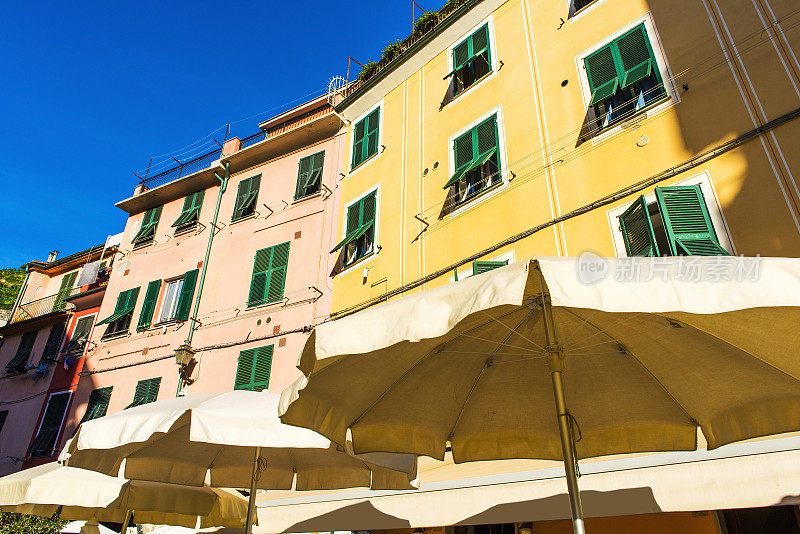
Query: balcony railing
(253, 139)
(300, 120)
(183, 168)
(39, 307)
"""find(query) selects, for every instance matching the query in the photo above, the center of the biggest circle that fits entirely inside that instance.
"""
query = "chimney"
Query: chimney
(52, 256)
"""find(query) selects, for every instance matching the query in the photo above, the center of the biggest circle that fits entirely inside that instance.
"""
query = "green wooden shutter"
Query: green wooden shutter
(53, 416)
(479, 42)
(636, 56)
(480, 267)
(149, 225)
(474, 148)
(149, 305)
(191, 209)
(359, 141)
(373, 124)
(253, 368)
(54, 338)
(122, 301)
(258, 283)
(97, 406)
(461, 55)
(637, 230)
(352, 225)
(277, 274)
(602, 74)
(146, 392)
(63, 291)
(187, 293)
(133, 296)
(303, 168)
(687, 223)
(464, 153)
(315, 173)
(246, 196)
(19, 361)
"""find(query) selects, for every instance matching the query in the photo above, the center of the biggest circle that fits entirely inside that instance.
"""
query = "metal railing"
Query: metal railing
(300, 120)
(39, 307)
(250, 140)
(183, 168)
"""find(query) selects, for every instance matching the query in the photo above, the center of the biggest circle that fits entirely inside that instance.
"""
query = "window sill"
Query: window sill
(634, 120)
(182, 230)
(143, 244)
(114, 335)
(264, 304)
(245, 218)
(477, 83)
(318, 194)
(355, 263)
(364, 163)
(477, 198)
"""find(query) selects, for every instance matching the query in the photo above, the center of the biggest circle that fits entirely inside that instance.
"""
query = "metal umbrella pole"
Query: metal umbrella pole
(555, 357)
(126, 522)
(251, 502)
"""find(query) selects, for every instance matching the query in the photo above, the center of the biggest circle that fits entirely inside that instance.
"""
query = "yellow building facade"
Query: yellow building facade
(568, 163)
(518, 128)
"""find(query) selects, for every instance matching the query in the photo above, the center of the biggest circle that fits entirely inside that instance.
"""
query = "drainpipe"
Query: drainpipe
(186, 348)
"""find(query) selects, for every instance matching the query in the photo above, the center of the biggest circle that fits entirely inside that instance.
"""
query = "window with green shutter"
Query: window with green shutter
(253, 369)
(98, 403)
(80, 336)
(149, 305)
(190, 213)
(17, 365)
(45, 441)
(623, 77)
(309, 175)
(472, 60)
(119, 321)
(147, 231)
(477, 161)
(359, 240)
(246, 197)
(146, 392)
(269, 275)
(480, 267)
(186, 295)
(365, 138)
(54, 339)
(64, 290)
(677, 223)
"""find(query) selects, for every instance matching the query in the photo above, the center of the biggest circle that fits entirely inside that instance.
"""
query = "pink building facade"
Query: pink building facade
(42, 351)
(263, 281)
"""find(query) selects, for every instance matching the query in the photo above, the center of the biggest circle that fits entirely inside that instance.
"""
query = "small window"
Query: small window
(359, 240)
(479, 267)
(269, 275)
(577, 5)
(147, 232)
(623, 78)
(119, 321)
(51, 348)
(45, 441)
(365, 138)
(472, 60)
(677, 223)
(67, 282)
(253, 369)
(309, 175)
(18, 364)
(190, 213)
(80, 336)
(146, 392)
(246, 197)
(477, 161)
(170, 303)
(98, 403)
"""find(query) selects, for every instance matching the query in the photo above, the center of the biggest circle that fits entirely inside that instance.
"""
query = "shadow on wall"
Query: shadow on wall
(595, 504)
(361, 516)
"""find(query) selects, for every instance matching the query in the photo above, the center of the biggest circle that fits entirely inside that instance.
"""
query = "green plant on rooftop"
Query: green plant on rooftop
(10, 284)
(425, 23)
(391, 51)
(12, 523)
(367, 71)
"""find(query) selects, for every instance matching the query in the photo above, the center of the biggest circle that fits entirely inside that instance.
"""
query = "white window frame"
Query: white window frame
(359, 263)
(575, 15)
(501, 141)
(712, 204)
(673, 98)
(63, 417)
(163, 294)
(93, 316)
(352, 170)
(509, 255)
(492, 50)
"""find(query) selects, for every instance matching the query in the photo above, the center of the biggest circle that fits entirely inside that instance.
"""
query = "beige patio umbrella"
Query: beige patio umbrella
(232, 440)
(78, 494)
(628, 354)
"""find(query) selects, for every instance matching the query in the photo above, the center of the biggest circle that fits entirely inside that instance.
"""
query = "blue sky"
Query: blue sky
(91, 90)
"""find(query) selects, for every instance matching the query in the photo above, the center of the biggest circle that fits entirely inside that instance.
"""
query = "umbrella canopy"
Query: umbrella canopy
(77, 494)
(643, 352)
(182, 440)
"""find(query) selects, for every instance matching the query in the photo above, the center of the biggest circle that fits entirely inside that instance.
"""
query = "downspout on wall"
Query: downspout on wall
(184, 353)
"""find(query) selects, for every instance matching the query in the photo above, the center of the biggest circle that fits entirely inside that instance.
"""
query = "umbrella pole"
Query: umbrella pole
(251, 502)
(556, 361)
(126, 522)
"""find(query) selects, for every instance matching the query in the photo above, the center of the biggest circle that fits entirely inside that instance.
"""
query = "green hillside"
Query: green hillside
(10, 284)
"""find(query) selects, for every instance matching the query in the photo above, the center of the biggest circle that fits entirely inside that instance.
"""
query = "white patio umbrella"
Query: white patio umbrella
(236, 440)
(487, 364)
(78, 494)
